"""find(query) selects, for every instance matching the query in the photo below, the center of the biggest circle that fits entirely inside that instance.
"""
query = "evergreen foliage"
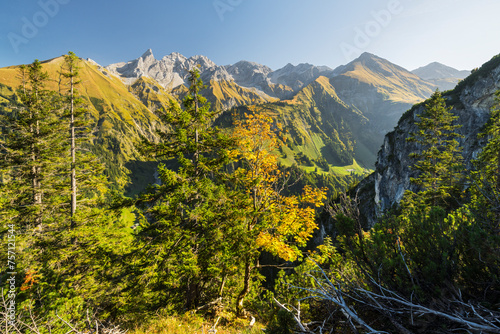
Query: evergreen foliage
(438, 160)
(185, 254)
(55, 246)
(32, 144)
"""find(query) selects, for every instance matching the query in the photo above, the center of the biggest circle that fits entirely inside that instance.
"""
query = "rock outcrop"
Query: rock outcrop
(171, 71)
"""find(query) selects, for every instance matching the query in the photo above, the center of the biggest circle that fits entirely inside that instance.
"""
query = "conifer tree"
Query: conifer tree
(72, 74)
(32, 143)
(187, 252)
(86, 172)
(489, 158)
(438, 160)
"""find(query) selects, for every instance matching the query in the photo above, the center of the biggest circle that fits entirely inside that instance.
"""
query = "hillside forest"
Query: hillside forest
(227, 238)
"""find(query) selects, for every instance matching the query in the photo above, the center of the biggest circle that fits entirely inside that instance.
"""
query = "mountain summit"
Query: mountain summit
(445, 77)
(380, 89)
(171, 71)
(371, 86)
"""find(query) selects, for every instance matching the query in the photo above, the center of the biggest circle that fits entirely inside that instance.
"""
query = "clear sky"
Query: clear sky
(460, 33)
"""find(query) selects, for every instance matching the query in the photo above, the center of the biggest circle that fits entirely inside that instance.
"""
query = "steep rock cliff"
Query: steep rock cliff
(471, 101)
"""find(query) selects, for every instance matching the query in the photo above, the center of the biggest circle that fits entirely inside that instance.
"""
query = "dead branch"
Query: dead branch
(470, 318)
(296, 317)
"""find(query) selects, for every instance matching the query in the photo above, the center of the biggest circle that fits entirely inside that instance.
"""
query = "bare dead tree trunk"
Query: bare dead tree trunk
(36, 170)
(73, 152)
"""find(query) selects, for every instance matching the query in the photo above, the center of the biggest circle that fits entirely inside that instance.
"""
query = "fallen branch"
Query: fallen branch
(391, 305)
(295, 317)
(480, 325)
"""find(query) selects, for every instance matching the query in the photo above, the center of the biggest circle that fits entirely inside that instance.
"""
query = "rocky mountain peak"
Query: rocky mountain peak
(298, 76)
(376, 64)
(250, 66)
(171, 71)
(249, 74)
(368, 56)
(175, 56)
(148, 54)
(203, 61)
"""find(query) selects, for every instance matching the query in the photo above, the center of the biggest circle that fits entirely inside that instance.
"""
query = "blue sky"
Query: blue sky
(411, 33)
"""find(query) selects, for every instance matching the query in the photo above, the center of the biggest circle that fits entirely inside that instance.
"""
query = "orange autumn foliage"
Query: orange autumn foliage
(282, 224)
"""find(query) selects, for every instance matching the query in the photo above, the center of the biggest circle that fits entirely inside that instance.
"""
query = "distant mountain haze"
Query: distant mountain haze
(444, 77)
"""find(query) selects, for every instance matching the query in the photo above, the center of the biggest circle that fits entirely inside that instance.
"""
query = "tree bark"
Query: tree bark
(246, 288)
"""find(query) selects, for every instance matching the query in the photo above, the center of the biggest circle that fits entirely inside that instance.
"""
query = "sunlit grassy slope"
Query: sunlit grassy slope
(220, 92)
(314, 121)
(393, 82)
(119, 116)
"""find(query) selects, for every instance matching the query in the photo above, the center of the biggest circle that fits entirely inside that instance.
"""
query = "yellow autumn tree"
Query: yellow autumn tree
(273, 222)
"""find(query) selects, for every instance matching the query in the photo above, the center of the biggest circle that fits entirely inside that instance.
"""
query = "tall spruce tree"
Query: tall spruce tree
(87, 182)
(186, 256)
(438, 160)
(71, 74)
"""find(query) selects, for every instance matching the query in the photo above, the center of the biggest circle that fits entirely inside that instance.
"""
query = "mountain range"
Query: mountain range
(339, 115)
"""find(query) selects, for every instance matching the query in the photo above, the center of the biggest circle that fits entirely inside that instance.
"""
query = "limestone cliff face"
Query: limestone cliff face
(471, 101)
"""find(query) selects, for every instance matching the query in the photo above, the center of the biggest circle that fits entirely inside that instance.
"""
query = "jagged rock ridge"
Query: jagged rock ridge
(172, 71)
